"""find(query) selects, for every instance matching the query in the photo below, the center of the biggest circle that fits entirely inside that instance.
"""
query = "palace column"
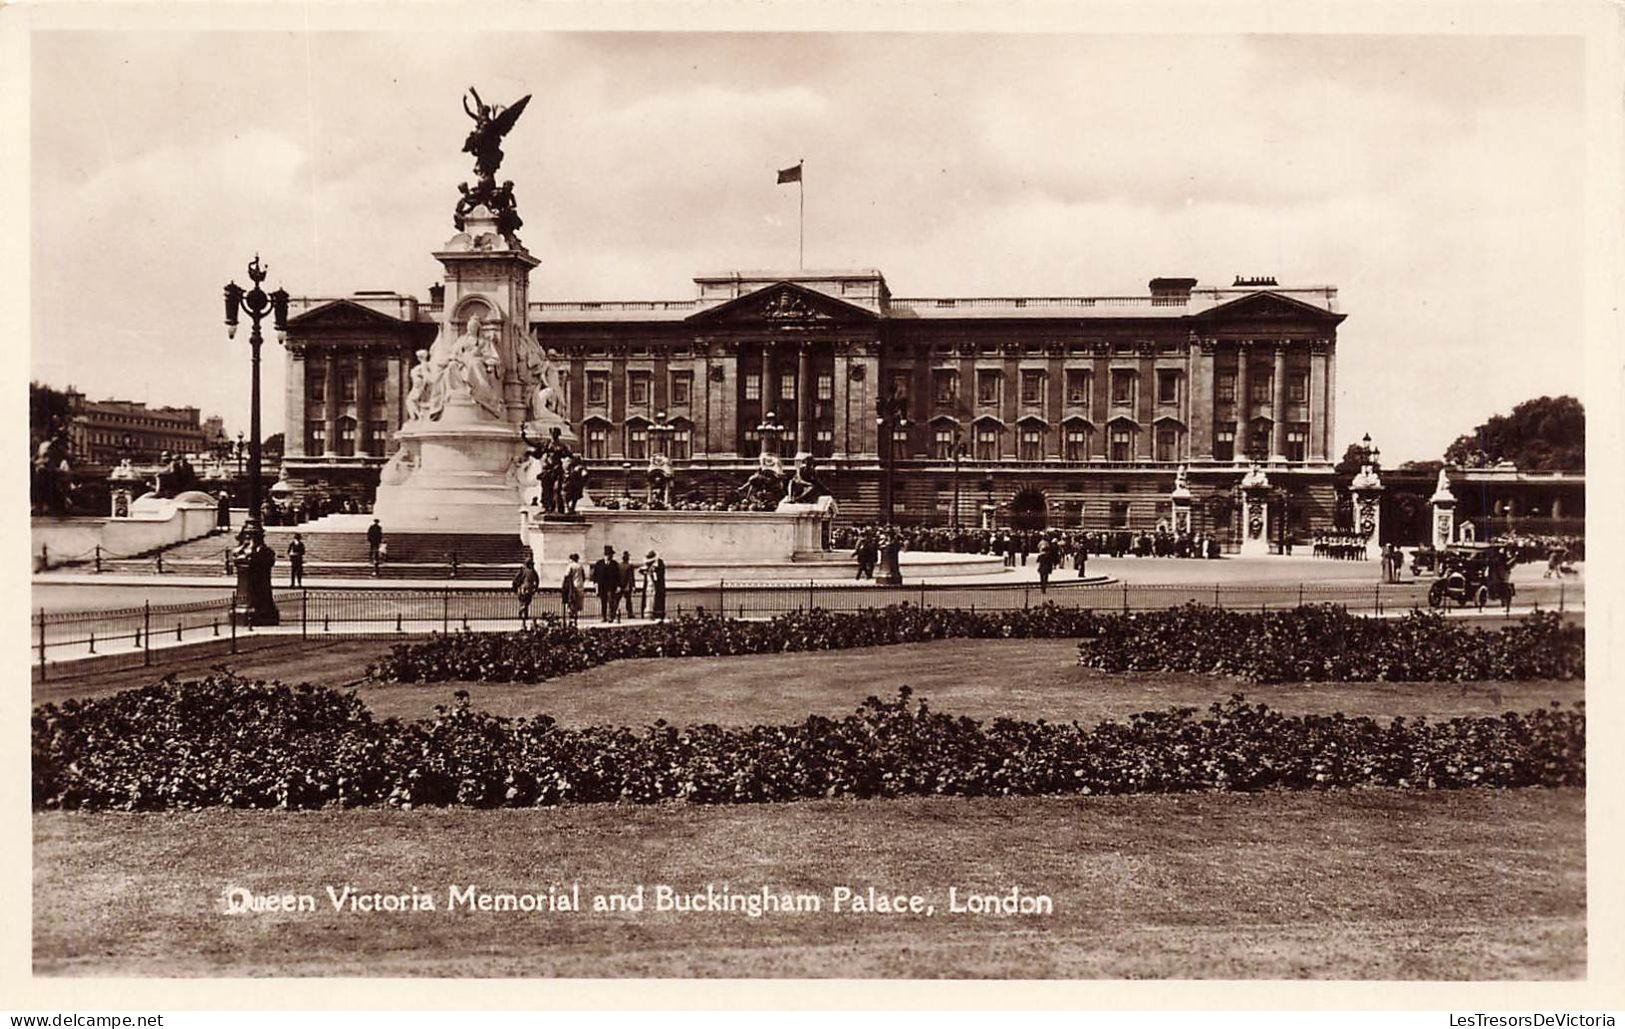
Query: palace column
(296, 390)
(331, 446)
(804, 390)
(840, 398)
(1330, 402)
(1243, 404)
(1199, 401)
(1145, 413)
(1278, 406)
(1320, 445)
(363, 400)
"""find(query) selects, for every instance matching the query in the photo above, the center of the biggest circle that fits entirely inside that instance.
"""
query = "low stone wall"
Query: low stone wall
(55, 541)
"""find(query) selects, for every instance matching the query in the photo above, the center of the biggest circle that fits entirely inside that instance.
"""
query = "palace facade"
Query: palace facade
(1065, 411)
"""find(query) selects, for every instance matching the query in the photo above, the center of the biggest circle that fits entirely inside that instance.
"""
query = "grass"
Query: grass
(980, 678)
(1372, 884)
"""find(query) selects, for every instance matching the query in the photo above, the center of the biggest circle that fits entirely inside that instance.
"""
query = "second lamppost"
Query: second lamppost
(893, 417)
(770, 431)
(253, 559)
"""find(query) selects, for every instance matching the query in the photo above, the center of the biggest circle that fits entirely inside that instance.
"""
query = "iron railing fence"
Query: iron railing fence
(133, 633)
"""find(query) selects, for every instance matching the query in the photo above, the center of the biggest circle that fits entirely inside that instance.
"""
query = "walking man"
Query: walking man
(296, 561)
(525, 584)
(606, 577)
(1046, 563)
(375, 539)
(628, 582)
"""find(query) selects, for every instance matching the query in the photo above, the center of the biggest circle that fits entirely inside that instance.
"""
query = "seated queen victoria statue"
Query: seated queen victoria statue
(468, 366)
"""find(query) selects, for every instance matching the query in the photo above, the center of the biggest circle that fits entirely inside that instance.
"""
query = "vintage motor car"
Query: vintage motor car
(1477, 574)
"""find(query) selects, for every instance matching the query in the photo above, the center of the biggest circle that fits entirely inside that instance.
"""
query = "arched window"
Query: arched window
(597, 438)
(682, 439)
(1077, 434)
(1031, 435)
(346, 427)
(1120, 441)
(988, 432)
(637, 439)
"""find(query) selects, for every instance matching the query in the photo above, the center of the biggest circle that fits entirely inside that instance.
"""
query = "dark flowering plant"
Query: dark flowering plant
(222, 742)
(1299, 645)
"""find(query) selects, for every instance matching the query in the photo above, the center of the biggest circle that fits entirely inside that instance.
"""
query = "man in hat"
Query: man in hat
(606, 576)
(525, 584)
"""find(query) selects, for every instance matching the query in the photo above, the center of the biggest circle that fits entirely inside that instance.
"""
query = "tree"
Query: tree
(1544, 434)
(1354, 458)
(272, 444)
(48, 409)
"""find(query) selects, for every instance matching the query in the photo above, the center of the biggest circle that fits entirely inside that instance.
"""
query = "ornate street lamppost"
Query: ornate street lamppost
(771, 431)
(239, 452)
(893, 416)
(253, 557)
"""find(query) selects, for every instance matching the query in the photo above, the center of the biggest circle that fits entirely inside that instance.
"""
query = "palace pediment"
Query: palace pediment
(343, 314)
(784, 306)
(1272, 309)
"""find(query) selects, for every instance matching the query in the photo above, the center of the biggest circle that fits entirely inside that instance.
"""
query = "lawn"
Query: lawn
(1373, 884)
(980, 678)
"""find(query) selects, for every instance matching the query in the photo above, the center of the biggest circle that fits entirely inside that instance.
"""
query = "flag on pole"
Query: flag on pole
(792, 174)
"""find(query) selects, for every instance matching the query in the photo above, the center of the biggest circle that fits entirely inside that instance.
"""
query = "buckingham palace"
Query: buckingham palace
(1041, 410)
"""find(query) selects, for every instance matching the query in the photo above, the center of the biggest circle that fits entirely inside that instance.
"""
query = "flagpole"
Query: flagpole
(801, 236)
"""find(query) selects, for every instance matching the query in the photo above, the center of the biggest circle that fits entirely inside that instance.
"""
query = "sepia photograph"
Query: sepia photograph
(540, 502)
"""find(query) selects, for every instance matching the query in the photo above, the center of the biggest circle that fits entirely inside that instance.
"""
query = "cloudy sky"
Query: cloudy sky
(1438, 181)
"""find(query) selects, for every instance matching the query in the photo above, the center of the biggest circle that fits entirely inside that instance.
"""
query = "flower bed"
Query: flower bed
(1304, 644)
(232, 743)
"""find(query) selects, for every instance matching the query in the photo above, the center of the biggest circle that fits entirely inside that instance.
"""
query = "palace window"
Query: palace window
(752, 444)
(1297, 439)
(1259, 384)
(1122, 443)
(637, 389)
(1031, 442)
(1258, 441)
(1167, 386)
(987, 441)
(1077, 387)
(377, 436)
(637, 441)
(1224, 390)
(346, 427)
(376, 384)
(899, 440)
(826, 386)
(943, 440)
(597, 440)
(1224, 443)
(945, 385)
(1297, 387)
(987, 387)
(1122, 386)
(682, 388)
(1032, 388)
(347, 385)
(753, 385)
(1167, 443)
(316, 438)
(897, 383)
(1077, 442)
(598, 389)
(317, 383)
(787, 385)
(1119, 514)
(682, 441)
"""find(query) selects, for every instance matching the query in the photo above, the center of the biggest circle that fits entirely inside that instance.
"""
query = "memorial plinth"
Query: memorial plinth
(1255, 513)
(786, 543)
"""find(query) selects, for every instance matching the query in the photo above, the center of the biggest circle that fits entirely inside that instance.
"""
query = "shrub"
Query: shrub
(1303, 644)
(224, 742)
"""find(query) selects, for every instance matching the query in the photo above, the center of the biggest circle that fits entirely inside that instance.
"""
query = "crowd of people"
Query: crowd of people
(1555, 551)
(624, 590)
(1019, 546)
